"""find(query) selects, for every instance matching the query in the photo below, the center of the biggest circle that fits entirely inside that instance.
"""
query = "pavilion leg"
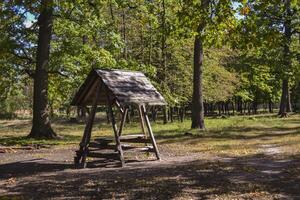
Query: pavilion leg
(150, 132)
(142, 121)
(80, 159)
(124, 114)
(114, 125)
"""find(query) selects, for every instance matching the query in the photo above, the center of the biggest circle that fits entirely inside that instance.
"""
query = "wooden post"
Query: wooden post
(150, 131)
(119, 106)
(114, 125)
(124, 115)
(88, 130)
(142, 120)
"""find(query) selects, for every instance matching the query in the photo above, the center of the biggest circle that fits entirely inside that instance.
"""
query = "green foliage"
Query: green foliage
(243, 55)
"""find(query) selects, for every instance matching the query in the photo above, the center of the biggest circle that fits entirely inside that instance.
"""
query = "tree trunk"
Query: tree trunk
(181, 113)
(164, 57)
(270, 106)
(197, 100)
(284, 98)
(289, 104)
(153, 114)
(41, 126)
(107, 116)
(254, 106)
(285, 105)
(165, 114)
(128, 118)
(124, 33)
(171, 114)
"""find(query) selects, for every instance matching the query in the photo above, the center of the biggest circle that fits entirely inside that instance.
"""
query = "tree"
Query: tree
(274, 25)
(204, 18)
(285, 103)
(41, 126)
(197, 100)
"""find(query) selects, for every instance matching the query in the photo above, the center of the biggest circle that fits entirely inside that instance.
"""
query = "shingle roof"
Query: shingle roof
(127, 87)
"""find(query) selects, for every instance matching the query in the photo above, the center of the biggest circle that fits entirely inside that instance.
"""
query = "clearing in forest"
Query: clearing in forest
(256, 157)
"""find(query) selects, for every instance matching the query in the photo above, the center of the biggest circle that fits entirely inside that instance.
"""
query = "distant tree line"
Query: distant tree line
(204, 56)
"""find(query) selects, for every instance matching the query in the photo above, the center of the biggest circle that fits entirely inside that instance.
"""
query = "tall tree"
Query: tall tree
(41, 126)
(274, 25)
(197, 100)
(204, 18)
(285, 103)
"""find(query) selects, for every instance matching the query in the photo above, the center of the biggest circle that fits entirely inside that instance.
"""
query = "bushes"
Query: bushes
(7, 115)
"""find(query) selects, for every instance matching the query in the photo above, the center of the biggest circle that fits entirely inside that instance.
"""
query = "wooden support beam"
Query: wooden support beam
(142, 121)
(124, 115)
(150, 131)
(114, 125)
(81, 155)
(119, 106)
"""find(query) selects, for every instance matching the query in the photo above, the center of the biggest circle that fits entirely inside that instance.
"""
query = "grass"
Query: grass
(233, 136)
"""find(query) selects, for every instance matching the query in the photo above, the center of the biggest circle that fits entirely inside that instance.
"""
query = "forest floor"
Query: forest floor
(250, 157)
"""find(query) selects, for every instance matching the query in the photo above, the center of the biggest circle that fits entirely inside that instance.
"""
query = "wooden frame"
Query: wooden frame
(80, 159)
(100, 90)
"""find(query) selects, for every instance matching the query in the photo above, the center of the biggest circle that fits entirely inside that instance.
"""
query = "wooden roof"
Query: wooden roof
(127, 87)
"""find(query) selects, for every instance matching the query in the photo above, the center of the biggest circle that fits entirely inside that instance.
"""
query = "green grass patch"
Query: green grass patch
(238, 135)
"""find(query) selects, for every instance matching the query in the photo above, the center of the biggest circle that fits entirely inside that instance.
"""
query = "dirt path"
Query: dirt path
(49, 173)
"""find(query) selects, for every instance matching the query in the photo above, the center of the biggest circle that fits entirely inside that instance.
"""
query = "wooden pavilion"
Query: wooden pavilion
(121, 89)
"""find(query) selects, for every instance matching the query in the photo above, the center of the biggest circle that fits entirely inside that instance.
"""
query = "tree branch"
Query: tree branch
(58, 73)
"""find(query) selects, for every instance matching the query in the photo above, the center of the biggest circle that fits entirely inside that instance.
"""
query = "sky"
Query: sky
(30, 19)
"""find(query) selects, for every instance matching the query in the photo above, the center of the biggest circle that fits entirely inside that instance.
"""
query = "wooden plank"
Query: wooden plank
(81, 157)
(139, 149)
(92, 90)
(150, 132)
(137, 140)
(94, 146)
(89, 125)
(119, 106)
(132, 136)
(103, 141)
(117, 73)
(142, 122)
(97, 145)
(114, 125)
(114, 156)
(123, 120)
(84, 88)
(127, 87)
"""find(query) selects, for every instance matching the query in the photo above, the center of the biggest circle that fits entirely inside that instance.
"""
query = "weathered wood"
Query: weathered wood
(119, 106)
(83, 90)
(150, 132)
(94, 146)
(114, 125)
(104, 141)
(81, 157)
(123, 89)
(89, 125)
(93, 154)
(123, 120)
(139, 149)
(119, 73)
(90, 94)
(142, 121)
(123, 137)
(137, 140)
(126, 87)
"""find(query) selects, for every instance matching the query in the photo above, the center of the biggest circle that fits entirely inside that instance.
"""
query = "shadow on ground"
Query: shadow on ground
(258, 176)
(230, 133)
